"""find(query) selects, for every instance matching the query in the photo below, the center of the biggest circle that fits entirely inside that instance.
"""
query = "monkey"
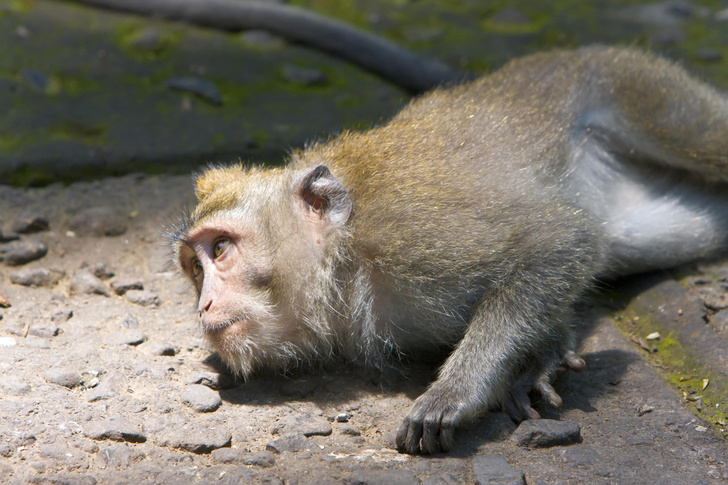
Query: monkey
(472, 221)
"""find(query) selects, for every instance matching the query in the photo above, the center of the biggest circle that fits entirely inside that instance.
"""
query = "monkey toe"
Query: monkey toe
(573, 362)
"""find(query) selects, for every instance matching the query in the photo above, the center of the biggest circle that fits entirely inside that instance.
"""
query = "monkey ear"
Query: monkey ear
(325, 197)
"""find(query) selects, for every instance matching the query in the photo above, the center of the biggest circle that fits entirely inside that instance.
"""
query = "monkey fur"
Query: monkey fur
(471, 221)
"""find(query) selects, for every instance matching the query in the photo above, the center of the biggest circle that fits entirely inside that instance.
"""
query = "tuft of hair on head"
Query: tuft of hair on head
(215, 176)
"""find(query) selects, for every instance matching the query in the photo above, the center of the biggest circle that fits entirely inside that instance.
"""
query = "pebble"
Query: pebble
(127, 337)
(6, 236)
(13, 385)
(115, 429)
(61, 315)
(101, 271)
(130, 321)
(23, 251)
(36, 277)
(121, 286)
(196, 438)
(543, 433)
(28, 223)
(203, 88)
(86, 283)
(7, 342)
(100, 392)
(303, 76)
(44, 330)
(98, 221)
(350, 431)
(149, 39)
(261, 38)
(262, 459)
(201, 398)
(494, 469)
(290, 442)
(142, 297)
(304, 424)
(162, 348)
(120, 456)
(382, 477)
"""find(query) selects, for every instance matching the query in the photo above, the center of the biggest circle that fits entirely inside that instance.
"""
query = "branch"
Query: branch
(385, 59)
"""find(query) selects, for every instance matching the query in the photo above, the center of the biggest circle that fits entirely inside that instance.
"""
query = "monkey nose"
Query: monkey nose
(205, 308)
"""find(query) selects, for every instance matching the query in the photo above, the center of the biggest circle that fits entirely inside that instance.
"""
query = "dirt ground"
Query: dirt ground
(105, 378)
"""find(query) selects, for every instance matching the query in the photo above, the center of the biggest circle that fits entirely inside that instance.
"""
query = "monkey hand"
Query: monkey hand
(518, 403)
(429, 427)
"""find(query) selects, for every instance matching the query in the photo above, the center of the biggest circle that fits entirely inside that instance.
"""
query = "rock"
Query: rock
(101, 271)
(543, 433)
(86, 283)
(203, 88)
(719, 321)
(446, 479)
(581, 455)
(23, 251)
(130, 321)
(263, 459)
(6, 236)
(196, 438)
(382, 477)
(306, 425)
(201, 398)
(98, 222)
(213, 380)
(261, 38)
(120, 456)
(13, 385)
(121, 286)
(6, 450)
(63, 376)
(115, 429)
(303, 76)
(8, 342)
(101, 392)
(350, 431)
(61, 315)
(142, 297)
(60, 478)
(39, 277)
(44, 330)
(162, 348)
(709, 55)
(127, 337)
(149, 39)
(28, 223)
(290, 442)
(494, 469)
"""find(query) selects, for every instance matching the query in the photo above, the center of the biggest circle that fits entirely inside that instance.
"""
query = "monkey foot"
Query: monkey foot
(518, 404)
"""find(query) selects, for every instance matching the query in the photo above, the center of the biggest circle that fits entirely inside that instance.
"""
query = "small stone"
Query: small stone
(127, 337)
(383, 477)
(304, 424)
(86, 283)
(44, 330)
(196, 439)
(162, 348)
(13, 385)
(290, 442)
(262, 459)
(6, 236)
(115, 429)
(63, 376)
(130, 321)
(202, 88)
(98, 222)
(101, 271)
(342, 418)
(23, 251)
(121, 286)
(303, 76)
(120, 456)
(201, 398)
(7, 342)
(350, 431)
(61, 315)
(142, 297)
(100, 392)
(494, 469)
(6, 450)
(37, 277)
(28, 223)
(149, 39)
(544, 433)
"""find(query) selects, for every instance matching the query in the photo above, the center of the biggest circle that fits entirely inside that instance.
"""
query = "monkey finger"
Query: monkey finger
(430, 431)
(548, 392)
(573, 361)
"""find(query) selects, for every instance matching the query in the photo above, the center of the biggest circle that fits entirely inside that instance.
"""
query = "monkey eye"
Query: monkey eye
(220, 246)
(196, 268)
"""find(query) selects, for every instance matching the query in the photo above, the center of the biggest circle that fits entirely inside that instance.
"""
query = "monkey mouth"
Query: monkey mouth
(217, 327)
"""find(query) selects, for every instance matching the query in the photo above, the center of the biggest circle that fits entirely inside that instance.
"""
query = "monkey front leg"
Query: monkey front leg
(506, 352)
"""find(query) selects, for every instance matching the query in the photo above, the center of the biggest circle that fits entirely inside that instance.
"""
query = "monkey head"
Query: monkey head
(260, 249)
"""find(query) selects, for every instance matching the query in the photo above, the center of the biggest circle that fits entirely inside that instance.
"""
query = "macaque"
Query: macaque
(472, 221)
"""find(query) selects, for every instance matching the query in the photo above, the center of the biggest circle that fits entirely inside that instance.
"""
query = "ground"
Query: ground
(104, 374)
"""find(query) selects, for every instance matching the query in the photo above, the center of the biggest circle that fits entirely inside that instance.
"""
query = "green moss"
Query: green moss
(260, 137)
(9, 143)
(676, 364)
(88, 134)
(142, 42)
